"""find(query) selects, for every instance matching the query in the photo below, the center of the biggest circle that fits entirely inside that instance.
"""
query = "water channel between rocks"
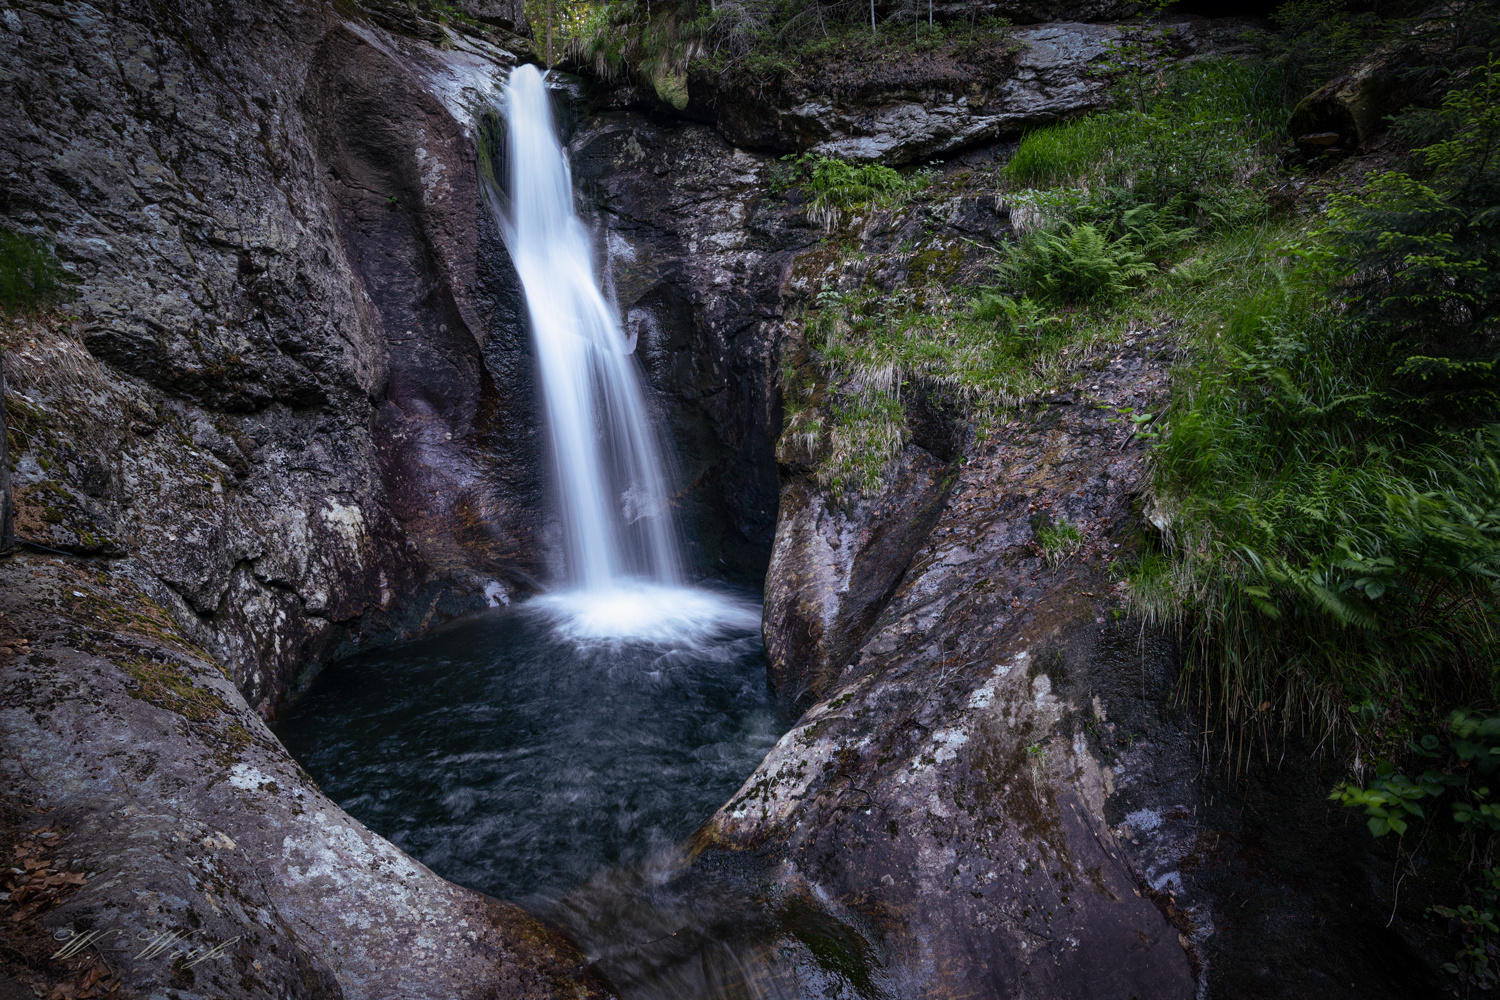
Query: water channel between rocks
(524, 750)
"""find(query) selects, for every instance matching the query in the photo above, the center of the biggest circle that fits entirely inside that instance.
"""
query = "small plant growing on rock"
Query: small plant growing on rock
(1058, 542)
(29, 273)
(834, 186)
(1075, 263)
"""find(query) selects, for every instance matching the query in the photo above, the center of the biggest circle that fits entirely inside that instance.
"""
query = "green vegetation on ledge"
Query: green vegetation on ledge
(30, 276)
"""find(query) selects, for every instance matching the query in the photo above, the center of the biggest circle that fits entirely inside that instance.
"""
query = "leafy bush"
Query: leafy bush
(1456, 776)
(1420, 255)
(29, 274)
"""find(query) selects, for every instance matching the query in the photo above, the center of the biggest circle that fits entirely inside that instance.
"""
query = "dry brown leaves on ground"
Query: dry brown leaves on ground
(32, 883)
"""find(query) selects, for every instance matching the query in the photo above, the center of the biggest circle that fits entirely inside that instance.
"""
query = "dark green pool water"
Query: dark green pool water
(526, 749)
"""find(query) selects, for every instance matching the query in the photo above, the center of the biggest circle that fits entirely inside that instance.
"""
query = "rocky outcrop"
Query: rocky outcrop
(999, 789)
(933, 103)
(946, 788)
(274, 247)
(938, 813)
(1038, 11)
(1353, 110)
(995, 789)
(835, 566)
(184, 853)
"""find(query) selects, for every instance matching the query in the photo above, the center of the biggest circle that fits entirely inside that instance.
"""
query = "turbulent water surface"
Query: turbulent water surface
(519, 753)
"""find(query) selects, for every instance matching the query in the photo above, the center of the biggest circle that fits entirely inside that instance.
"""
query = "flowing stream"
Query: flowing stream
(577, 737)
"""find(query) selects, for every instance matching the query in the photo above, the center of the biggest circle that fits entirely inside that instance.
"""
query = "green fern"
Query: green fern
(834, 186)
(1076, 263)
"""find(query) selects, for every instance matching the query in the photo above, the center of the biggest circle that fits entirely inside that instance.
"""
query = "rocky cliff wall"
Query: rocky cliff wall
(936, 101)
(268, 386)
(279, 415)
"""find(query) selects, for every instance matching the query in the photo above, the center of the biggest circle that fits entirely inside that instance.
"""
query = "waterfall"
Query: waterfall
(617, 522)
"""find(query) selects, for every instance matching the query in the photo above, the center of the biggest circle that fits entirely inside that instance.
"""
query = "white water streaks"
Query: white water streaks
(616, 514)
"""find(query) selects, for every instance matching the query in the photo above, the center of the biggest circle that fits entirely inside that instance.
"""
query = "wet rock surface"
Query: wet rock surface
(700, 258)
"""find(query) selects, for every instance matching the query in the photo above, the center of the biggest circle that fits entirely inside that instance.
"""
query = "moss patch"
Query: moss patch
(165, 685)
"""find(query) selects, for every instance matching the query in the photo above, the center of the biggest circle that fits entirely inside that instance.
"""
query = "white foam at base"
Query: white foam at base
(648, 613)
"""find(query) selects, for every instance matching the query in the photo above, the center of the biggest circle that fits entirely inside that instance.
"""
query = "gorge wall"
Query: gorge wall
(289, 412)
(279, 416)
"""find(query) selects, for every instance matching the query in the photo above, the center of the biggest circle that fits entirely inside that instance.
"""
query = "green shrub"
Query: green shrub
(834, 186)
(1332, 473)
(1419, 252)
(1458, 772)
(29, 273)
(1075, 263)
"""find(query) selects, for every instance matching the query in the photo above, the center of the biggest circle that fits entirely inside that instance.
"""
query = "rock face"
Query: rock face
(940, 798)
(998, 790)
(836, 568)
(952, 98)
(186, 854)
(275, 249)
(994, 790)
(287, 410)
(945, 789)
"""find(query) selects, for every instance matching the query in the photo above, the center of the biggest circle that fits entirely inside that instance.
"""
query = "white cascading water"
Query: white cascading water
(618, 530)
